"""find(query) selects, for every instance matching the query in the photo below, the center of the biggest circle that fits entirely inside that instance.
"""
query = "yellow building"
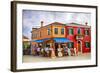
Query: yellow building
(52, 30)
(49, 34)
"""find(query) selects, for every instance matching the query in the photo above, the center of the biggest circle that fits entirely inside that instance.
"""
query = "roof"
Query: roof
(24, 37)
(78, 25)
(57, 23)
(67, 24)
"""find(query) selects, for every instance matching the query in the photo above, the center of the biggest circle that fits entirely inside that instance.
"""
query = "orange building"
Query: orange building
(52, 30)
(50, 35)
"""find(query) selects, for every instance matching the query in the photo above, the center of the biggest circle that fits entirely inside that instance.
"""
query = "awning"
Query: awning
(38, 41)
(61, 40)
(42, 40)
(57, 40)
(46, 39)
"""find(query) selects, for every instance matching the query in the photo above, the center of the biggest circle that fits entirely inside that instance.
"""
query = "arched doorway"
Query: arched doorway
(79, 46)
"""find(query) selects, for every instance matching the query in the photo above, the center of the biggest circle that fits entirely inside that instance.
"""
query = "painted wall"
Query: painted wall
(73, 37)
(41, 33)
(59, 31)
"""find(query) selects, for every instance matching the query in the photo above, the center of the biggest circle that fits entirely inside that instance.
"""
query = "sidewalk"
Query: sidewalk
(30, 58)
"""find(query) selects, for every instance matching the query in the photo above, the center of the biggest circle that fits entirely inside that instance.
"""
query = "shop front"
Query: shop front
(61, 46)
(58, 46)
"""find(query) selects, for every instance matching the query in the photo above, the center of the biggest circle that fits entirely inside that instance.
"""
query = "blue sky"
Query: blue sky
(32, 18)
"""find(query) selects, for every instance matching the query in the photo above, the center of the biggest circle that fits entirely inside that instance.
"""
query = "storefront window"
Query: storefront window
(62, 31)
(87, 44)
(56, 30)
(71, 31)
(71, 45)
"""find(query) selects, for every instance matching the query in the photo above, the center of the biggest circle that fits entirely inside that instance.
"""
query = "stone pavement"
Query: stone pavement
(31, 58)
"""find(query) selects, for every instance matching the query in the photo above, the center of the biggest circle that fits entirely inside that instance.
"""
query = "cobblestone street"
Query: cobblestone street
(30, 58)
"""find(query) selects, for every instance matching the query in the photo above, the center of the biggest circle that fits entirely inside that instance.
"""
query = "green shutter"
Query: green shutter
(86, 32)
(70, 45)
(79, 31)
(71, 31)
(87, 44)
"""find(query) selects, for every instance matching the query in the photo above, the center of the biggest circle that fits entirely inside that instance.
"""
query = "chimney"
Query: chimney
(86, 23)
(41, 23)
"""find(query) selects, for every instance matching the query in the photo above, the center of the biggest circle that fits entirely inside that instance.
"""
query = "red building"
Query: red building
(80, 37)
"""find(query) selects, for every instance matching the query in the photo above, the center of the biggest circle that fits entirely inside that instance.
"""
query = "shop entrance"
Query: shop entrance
(56, 46)
(59, 48)
(79, 46)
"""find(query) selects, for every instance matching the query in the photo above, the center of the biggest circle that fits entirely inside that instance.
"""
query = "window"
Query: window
(87, 44)
(40, 34)
(87, 32)
(62, 31)
(71, 45)
(79, 31)
(48, 31)
(56, 30)
(33, 35)
(70, 31)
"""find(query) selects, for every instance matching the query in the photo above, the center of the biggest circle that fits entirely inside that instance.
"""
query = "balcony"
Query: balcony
(79, 37)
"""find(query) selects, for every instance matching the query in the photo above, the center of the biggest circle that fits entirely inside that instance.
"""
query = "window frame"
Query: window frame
(70, 32)
(88, 43)
(79, 32)
(87, 32)
(71, 44)
(62, 31)
(48, 31)
(56, 31)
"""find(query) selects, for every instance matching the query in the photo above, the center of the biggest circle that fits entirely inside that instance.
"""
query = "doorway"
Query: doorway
(79, 46)
(56, 46)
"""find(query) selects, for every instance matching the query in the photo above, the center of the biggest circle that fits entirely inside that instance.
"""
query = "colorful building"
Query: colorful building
(58, 35)
(49, 35)
(80, 36)
(26, 45)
